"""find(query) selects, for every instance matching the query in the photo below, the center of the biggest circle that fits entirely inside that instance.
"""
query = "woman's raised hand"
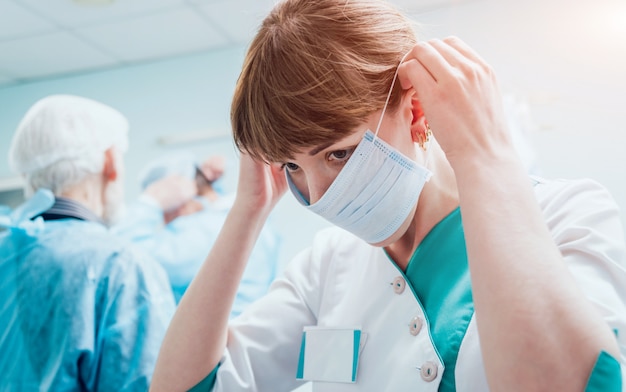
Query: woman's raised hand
(461, 99)
(261, 185)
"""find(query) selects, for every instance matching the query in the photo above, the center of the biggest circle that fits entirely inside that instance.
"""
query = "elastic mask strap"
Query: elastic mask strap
(393, 82)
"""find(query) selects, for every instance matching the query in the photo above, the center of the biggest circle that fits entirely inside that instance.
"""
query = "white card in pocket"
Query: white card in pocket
(329, 354)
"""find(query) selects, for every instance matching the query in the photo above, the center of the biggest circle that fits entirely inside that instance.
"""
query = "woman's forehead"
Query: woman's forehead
(285, 144)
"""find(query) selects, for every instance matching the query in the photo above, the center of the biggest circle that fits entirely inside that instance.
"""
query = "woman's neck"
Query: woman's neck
(437, 200)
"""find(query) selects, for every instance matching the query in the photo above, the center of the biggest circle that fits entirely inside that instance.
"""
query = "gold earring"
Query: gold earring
(424, 138)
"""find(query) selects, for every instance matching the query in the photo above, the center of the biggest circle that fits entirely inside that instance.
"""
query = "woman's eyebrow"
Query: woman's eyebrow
(320, 148)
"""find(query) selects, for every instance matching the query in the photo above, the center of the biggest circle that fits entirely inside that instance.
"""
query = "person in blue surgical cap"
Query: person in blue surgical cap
(177, 220)
(80, 309)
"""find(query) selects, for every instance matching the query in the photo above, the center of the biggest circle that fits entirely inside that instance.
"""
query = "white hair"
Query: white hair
(61, 141)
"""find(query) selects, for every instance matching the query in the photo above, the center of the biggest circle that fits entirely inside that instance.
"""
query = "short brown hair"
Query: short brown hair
(316, 70)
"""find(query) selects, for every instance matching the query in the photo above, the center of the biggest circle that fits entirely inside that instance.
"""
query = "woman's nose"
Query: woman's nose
(315, 193)
(315, 188)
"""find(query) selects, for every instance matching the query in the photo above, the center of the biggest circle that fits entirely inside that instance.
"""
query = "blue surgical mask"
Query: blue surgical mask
(374, 193)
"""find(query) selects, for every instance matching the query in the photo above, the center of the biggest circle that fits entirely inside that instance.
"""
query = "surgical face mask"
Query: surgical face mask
(375, 191)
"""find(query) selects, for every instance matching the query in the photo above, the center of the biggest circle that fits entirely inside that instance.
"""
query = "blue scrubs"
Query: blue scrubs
(182, 246)
(79, 309)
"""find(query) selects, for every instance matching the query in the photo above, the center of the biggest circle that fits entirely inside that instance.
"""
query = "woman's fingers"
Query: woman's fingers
(429, 65)
(459, 94)
(413, 74)
(260, 183)
(464, 49)
(440, 59)
(430, 59)
(456, 59)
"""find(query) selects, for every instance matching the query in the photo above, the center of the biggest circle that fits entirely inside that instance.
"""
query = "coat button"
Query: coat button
(428, 371)
(398, 285)
(415, 325)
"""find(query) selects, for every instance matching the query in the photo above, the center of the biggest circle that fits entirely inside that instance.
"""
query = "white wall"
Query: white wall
(176, 96)
(568, 59)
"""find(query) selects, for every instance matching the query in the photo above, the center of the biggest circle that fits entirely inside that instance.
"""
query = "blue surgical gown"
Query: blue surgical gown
(79, 309)
(182, 246)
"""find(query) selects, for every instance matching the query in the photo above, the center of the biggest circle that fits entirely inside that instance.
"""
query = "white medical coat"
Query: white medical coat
(343, 282)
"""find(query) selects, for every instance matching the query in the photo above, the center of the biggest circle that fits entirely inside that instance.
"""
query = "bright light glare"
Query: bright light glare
(607, 22)
(617, 20)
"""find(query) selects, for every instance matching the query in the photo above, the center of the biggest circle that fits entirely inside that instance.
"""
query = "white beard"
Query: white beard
(114, 207)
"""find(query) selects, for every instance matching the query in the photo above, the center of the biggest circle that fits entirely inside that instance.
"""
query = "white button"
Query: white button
(398, 285)
(415, 325)
(428, 371)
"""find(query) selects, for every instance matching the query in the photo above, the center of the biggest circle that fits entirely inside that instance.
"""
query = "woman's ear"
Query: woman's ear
(419, 125)
(109, 170)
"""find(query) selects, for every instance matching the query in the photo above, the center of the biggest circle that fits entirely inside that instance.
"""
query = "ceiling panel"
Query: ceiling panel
(237, 18)
(15, 21)
(49, 54)
(157, 35)
(47, 38)
(75, 13)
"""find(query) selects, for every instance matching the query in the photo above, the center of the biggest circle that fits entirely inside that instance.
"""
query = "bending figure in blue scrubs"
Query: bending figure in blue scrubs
(178, 217)
(80, 309)
(449, 269)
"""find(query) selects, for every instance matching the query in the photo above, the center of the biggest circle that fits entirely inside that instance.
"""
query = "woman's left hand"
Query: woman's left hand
(461, 99)
(261, 185)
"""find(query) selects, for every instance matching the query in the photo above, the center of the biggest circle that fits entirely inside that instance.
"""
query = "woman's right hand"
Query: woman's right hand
(261, 185)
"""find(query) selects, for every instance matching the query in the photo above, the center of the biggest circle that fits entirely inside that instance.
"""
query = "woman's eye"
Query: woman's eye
(290, 166)
(340, 155)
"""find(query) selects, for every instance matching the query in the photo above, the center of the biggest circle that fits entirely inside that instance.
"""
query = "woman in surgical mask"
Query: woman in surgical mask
(449, 269)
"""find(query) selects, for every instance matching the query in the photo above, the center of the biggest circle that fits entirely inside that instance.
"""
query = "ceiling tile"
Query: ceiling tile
(48, 55)
(158, 35)
(237, 18)
(15, 21)
(74, 13)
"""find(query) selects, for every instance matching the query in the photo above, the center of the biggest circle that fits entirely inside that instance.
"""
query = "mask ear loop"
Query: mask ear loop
(380, 121)
(393, 82)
